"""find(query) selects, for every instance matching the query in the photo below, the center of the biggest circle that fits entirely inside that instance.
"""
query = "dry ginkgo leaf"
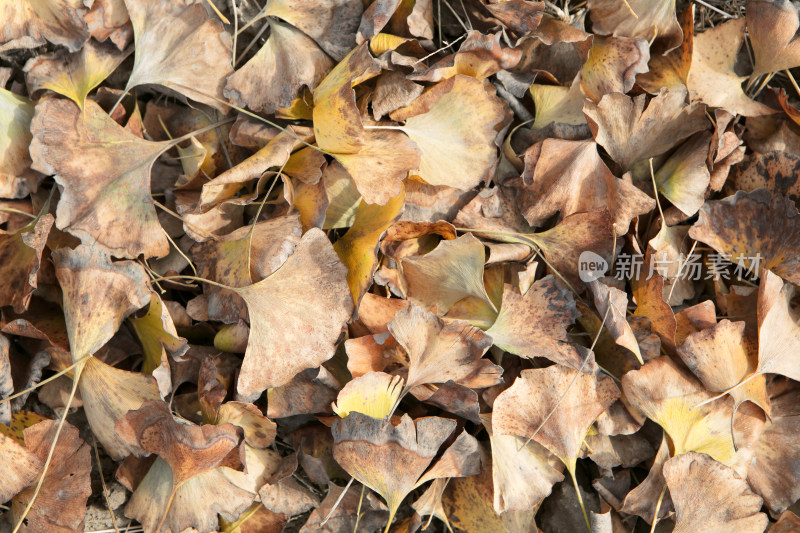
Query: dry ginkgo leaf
(559, 110)
(272, 78)
(541, 404)
(97, 295)
(535, 324)
(451, 272)
(458, 149)
(28, 23)
(778, 330)
(237, 259)
(721, 357)
(652, 20)
(374, 394)
(523, 473)
(61, 503)
(774, 473)
(180, 47)
(20, 259)
(74, 75)
(358, 248)
(643, 499)
(612, 66)
(712, 79)
(631, 133)
(772, 27)
(709, 496)
(440, 351)
(367, 448)
(17, 179)
(104, 172)
(186, 486)
(21, 467)
(296, 316)
(684, 177)
(567, 177)
(613, 304)
(758, 230)
(669, 395)
(672, 69)
(108, 393)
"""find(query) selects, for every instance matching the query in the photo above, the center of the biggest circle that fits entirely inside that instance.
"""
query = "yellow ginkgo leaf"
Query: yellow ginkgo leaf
(74, 75)
(358, 248)
(452, 271)
(454, 124)
(669, 396)
(373, 394)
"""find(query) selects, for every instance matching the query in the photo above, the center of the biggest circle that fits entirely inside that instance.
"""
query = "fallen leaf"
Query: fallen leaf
(374, 394)
(612, 66)
(772, 27)
(651, 20)
(453, 151)
(20, 260)
(309, 289)
(17, 178)
(178, 46)
(710, 496)
(32, 22)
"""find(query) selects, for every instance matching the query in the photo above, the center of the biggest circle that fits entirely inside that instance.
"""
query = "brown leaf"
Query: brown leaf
(534, 324)
(712, 78)
(709, 496)
(21, 466)
(757, 229)
(61, 504)
(778, 331)
(17, 178)
(272, 78)
(309, 292)
(567, 177)
(107, 201)
(557, 403)
(439, 352)
(20, 259)
(180, 47)
(30, 22)
(772, 27)
(612, 66)
(631, 133)
(651, 20)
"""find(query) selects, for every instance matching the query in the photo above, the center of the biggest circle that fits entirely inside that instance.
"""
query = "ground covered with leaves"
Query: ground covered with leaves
(401, 265)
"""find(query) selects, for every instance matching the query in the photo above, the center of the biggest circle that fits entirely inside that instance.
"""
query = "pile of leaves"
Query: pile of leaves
(395, 265)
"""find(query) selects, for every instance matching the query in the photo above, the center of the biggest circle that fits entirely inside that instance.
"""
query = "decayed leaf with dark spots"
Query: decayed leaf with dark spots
(558, 402)
(180, 47)
(441, 351)
(104, 172)
(534, 324)
(775, 171)
(61, 504)
(712, 78)
(520, 16)
(28, 23)
(709, 496)
(775, 471)
(296, 316)
(20, 257)
(756, 227)
(612, 65)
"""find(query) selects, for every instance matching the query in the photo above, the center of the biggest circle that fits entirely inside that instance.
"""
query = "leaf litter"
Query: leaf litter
(355, 265)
